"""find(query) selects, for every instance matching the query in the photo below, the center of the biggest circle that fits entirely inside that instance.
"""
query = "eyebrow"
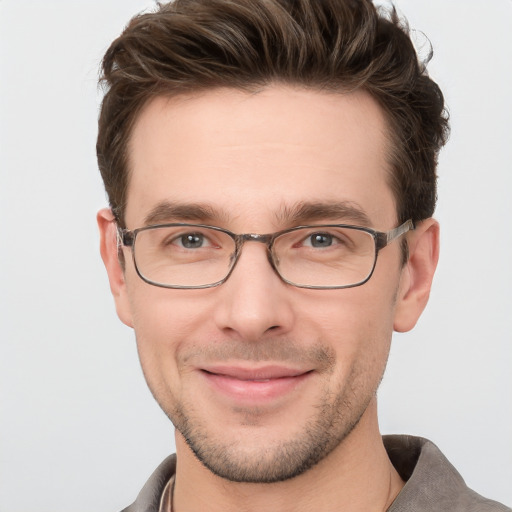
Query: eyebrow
(167, 211)
(297, 214)
(305, 212)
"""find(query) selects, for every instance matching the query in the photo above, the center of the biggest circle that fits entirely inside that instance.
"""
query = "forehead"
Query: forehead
(250, 155)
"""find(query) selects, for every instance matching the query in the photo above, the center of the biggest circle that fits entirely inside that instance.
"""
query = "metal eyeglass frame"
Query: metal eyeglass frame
(381, 239)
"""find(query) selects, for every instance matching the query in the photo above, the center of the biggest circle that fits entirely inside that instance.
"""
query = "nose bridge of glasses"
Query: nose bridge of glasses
(254, 237)
(266, 239)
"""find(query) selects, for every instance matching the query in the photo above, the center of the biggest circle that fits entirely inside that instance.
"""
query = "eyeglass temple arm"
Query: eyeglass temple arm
(384, 239)
(124, 237)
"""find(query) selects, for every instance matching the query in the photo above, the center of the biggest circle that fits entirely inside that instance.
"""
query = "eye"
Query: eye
(192, 241)
(320, 240)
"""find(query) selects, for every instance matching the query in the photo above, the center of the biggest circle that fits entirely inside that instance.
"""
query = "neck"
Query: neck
(357, 476)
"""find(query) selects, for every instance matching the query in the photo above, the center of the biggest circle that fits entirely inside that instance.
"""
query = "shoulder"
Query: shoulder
(432, 483)
(148, 499)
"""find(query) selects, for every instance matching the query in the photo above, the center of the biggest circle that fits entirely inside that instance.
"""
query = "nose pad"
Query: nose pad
(274, 261)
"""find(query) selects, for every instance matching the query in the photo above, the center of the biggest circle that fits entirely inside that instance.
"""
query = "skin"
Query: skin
(251, 158)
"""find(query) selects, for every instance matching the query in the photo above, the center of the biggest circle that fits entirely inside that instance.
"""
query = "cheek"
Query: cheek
(363, 309)
(163, 320)
(163, 315)
(162, 325)
(357, 323)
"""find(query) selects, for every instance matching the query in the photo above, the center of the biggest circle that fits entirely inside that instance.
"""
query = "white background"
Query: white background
(78, 429)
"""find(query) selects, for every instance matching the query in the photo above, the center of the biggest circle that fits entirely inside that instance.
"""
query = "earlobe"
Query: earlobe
(109, 254)
(417, 275)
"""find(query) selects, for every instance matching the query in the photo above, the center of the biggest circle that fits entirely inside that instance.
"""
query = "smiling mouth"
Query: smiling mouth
(264, 373)
(254, 385)
(243, 379)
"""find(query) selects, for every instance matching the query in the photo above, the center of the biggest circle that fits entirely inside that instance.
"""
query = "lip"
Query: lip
(254, 385)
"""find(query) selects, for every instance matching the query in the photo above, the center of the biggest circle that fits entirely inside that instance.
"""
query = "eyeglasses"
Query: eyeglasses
(198, 256)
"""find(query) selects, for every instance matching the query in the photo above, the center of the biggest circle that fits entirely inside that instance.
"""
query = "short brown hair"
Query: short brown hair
(327, 45)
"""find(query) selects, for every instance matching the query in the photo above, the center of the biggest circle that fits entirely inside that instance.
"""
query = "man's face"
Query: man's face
(260, 378)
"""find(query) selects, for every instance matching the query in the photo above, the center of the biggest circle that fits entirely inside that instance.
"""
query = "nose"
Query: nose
(254, 302)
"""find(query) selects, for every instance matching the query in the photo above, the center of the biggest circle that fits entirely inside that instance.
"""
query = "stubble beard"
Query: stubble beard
(268, 462)
(333, 418)
(282, 461)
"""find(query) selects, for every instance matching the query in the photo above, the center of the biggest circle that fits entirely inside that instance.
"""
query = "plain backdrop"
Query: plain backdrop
(79, 431)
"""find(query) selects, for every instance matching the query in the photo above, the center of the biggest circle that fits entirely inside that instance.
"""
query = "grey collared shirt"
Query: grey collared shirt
(432, 483)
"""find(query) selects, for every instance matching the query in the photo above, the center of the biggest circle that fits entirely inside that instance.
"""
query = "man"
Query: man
(270, 167)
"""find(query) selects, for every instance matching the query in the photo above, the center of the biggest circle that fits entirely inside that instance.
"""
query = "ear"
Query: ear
(417, 275)
(109, 254)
